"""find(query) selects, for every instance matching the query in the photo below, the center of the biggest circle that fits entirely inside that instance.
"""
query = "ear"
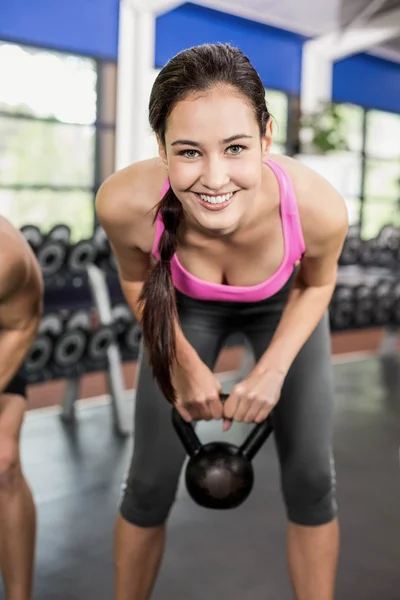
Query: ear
(162, 151)
(266, 141)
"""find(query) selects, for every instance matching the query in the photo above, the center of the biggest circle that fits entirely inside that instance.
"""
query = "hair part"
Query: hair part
(196, 69)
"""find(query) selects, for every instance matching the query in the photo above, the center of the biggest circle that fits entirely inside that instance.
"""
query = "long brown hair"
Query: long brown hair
(196, 69)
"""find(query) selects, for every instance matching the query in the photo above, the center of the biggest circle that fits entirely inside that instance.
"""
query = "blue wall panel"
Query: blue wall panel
(82, 26)
(276, 54)
(91, 27)
(369, 81)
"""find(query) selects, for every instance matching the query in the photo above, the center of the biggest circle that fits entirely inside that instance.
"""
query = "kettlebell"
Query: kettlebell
(220, 475)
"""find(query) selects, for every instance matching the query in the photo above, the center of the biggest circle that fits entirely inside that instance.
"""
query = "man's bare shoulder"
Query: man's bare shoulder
(18, 266)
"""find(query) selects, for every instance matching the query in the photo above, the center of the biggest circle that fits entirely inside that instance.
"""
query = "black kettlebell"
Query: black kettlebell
(220, 474)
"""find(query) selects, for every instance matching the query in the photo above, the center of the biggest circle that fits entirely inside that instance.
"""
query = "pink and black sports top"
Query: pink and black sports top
(294, 246)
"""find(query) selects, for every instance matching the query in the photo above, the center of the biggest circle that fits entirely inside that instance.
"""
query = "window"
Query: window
(48, 112)
(277, 103)
(382, 172)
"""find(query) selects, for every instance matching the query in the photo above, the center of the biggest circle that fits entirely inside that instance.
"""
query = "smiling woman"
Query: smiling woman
(219, 235)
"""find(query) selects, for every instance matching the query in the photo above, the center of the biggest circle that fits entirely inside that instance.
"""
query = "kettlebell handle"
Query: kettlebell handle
(249, 448)
(256, 438)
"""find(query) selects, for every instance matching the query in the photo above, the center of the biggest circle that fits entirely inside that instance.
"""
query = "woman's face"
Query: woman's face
(214, 155)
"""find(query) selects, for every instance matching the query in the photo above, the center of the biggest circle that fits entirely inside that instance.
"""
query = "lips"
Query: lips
(215, 203)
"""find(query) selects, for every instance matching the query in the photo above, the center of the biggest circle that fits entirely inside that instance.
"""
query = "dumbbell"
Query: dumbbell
(33, 236)
(369, 252)
(389, 237)
(93, 343)
(126, 328)
(41, 352)
(70, 347)
(105, 259)
(99, 341)
(341, 308)
(351, 248)
(52, 253)
(383, 300)
(395, 317)
(363, 306)
(79, 256)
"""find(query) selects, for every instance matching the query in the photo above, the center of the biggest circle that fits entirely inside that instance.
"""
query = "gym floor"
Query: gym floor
(76, 473)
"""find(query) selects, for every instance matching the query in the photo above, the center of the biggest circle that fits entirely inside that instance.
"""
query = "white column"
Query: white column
(320, 53)
(136, 47)
(316, 76)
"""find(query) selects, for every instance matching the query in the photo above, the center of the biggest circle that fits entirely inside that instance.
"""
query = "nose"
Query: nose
(215, 174)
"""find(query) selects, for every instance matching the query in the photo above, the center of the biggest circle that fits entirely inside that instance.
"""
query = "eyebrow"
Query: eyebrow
(238, 136)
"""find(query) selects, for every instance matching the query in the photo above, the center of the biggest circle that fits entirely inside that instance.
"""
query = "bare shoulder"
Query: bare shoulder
(126, 201)
(323, 212)
(19, 270)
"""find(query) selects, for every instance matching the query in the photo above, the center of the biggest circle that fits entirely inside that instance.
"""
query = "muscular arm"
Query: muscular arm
(325, 225)
(21, 292)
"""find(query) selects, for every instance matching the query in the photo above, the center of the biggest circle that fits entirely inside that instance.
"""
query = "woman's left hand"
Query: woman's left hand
(252, 399)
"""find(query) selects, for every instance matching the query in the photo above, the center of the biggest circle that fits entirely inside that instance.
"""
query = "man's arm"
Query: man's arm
(21, 292)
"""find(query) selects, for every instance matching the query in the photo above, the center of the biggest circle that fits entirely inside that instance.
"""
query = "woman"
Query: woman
(217, 236)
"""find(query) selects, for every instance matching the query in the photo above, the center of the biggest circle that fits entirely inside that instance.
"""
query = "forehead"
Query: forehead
(219, 112)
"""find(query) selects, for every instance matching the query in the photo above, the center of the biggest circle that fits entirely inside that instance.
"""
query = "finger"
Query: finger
(227, 424)
(215, 407)
(242, 409)
(203, 411)
(231, 405)
(253, 410)
(186, 416)
(263, 413)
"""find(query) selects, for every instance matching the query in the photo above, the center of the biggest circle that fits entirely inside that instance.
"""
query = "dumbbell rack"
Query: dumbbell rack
(101, 298)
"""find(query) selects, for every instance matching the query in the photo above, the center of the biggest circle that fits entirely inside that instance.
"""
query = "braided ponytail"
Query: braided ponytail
(158, 299)
(192, 70)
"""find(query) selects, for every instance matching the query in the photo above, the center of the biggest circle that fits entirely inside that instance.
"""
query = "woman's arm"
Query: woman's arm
(325, 225)
(125, 213)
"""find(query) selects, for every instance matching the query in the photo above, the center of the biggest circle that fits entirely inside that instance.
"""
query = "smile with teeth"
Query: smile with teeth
(216, 199)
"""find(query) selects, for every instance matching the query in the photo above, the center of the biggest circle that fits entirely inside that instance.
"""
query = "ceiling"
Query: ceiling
(311, 17)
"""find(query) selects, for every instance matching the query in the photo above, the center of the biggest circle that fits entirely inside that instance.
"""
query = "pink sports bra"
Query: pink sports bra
(294, 246)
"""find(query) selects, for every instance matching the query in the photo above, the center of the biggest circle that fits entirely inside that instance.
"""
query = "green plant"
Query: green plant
(323, 131)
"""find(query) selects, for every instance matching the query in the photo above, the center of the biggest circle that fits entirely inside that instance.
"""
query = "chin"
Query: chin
(220, 223)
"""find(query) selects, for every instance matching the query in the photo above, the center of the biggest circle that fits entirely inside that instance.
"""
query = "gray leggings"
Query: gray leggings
(303, 415)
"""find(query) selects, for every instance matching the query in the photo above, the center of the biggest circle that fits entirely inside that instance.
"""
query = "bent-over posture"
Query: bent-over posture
(218, 235)
(20, 311)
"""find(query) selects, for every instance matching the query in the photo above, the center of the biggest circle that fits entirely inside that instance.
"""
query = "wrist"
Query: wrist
(271, 365)
(185, 353)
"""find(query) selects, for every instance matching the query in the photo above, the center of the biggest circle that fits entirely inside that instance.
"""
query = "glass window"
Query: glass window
(383, 135)
(382, 178)
(45, 153)
(48, 119)
(277, 103)
(46, 208)
(378, 212)
(353, 117)
(47, 84)
(350, 175)
(353, 206)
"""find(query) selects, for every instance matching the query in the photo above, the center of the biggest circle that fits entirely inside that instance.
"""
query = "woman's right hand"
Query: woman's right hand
(197, 391)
